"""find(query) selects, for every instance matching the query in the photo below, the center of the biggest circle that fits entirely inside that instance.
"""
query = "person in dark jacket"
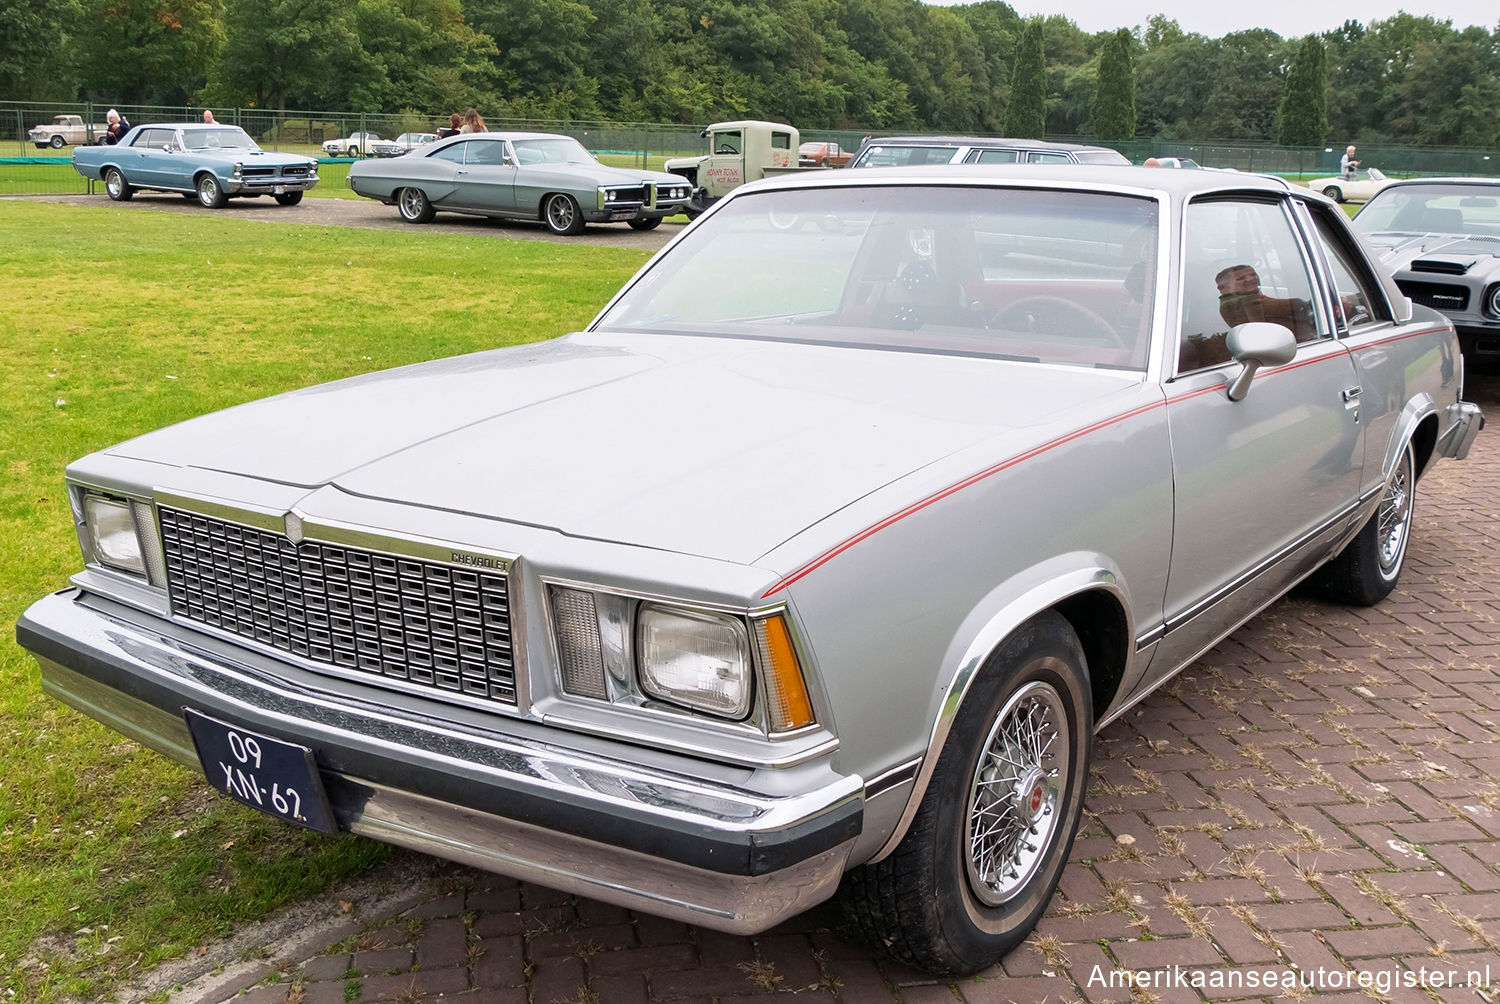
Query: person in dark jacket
(454, 121)
(118, 127)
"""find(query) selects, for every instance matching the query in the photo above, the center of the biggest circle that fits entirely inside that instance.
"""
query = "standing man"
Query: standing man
(208, 119)
(1347, 164)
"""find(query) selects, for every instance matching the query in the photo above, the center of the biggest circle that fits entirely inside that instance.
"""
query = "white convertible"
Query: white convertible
(1361, 188)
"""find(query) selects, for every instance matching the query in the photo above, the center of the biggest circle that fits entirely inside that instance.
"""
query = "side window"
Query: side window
(485, 151)
(728, 142)
(781, 140)
(1242, 263)
(994, 157)
(156, 139)
(1042, 157)
(1359, 302)
(454, 153)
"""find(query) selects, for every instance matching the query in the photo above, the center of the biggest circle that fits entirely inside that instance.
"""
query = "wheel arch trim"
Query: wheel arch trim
(1417, 424)
(1048, 586)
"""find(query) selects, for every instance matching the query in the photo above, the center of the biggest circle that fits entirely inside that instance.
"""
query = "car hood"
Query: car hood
(718, 447)
(1399, 249)
(603, 174)
(250, 158)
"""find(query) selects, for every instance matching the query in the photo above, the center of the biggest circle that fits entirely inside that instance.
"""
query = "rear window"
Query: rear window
(1101, 157)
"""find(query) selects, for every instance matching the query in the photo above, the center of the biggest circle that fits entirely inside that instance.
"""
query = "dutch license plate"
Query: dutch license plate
(626, 215)
(276, 777)
(279, 190)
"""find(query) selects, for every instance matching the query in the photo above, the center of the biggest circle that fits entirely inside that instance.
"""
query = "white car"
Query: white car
(405, 143)
(357, 144)
(1361, 189)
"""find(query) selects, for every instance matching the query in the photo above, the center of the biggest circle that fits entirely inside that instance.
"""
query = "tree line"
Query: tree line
(832, 64)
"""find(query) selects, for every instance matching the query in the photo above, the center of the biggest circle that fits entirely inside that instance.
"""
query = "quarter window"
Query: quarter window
(995, 157)
(1358, 302)
(1039, 157)
(454, 153)
(1242, 263)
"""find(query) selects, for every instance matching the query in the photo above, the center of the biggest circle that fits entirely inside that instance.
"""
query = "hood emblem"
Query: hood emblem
(293, 527)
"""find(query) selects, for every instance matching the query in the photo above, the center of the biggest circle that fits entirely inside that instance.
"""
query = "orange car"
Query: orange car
(822, 155)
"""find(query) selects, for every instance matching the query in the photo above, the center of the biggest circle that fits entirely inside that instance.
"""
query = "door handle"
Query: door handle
(1352, 394)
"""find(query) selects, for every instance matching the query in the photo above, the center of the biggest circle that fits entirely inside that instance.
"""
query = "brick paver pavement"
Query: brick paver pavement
(1316, 799)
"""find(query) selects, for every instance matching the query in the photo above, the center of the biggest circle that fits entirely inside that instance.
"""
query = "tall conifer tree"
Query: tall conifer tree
(1302, 119)
(1114, 94)
(1026, 112)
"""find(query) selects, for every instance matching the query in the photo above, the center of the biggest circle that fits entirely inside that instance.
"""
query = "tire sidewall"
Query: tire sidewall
(1039, 652)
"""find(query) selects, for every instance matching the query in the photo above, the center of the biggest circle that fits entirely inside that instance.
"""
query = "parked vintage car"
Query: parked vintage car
(405, 143)
(905, 509)
(815, 154)
(66, 130)
(209, 161)
(1361, 188)
(356, 144)
(911, 151)
(520, 175)
(1441, 238)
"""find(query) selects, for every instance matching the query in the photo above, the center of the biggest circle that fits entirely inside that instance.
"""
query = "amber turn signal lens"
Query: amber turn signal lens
(787, 703)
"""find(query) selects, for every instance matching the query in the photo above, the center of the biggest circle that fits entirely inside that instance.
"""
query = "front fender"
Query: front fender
(1003, 610)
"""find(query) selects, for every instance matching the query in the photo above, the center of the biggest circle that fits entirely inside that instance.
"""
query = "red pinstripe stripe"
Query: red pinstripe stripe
(952, 489)
(973, 479)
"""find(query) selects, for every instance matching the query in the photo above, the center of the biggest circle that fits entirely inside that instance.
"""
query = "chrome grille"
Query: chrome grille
(294, 172)
(257, 172)
(391, 617)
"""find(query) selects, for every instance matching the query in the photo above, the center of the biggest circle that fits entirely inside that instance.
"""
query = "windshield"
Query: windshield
(223, 138)
(553, 150)
(904, 156)
(1433, 209)
(1037, 275)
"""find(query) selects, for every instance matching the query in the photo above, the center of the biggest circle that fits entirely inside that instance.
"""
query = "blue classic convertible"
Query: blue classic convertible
(209, 162)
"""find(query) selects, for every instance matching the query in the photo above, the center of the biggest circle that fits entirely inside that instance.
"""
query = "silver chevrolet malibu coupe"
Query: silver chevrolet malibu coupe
(815, 561)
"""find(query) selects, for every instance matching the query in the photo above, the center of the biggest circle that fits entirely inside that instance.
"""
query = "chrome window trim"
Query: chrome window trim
(322, 531)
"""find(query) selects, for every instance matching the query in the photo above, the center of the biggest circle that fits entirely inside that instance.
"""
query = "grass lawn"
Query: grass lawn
(112, 858)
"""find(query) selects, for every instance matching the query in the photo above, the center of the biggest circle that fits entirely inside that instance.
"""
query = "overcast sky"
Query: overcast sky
(1288, 18)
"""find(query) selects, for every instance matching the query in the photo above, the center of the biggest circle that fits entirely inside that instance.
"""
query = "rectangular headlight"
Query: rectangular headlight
(111, 528)
(694, 658)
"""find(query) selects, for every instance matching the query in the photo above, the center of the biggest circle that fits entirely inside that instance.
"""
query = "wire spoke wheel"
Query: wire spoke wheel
(1013, 797)
(1395, 517)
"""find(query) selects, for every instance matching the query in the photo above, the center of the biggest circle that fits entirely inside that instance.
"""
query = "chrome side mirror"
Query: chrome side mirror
(1256, 344)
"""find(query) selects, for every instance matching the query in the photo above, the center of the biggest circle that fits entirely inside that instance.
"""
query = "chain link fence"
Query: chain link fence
(38, 168)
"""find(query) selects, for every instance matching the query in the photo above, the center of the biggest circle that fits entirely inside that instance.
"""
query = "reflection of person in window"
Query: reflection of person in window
(1241, 301)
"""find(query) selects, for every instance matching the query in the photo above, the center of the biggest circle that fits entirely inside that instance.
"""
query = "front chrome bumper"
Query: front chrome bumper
(670, 843)
(1464, 422)
(265, 186)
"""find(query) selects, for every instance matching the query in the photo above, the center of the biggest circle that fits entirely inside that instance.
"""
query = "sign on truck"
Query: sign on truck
(738, 152)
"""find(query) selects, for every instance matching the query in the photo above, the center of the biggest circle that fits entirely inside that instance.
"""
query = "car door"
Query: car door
(486, 181)
(436, 173)
(159, 165)
(1264, 485)
(725, 170)
(1378, 345)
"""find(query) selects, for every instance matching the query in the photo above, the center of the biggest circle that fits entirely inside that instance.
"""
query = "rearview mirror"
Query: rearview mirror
(1256, 344)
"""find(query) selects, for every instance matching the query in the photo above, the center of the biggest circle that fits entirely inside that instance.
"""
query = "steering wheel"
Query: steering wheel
(1054, 315)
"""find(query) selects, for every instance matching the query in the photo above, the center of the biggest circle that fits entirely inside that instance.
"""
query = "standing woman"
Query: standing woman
(472, 121)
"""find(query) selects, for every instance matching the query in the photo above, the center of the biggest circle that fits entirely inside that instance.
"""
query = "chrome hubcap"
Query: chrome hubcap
(1013, 810)
(1395, 518)
(113, 184)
